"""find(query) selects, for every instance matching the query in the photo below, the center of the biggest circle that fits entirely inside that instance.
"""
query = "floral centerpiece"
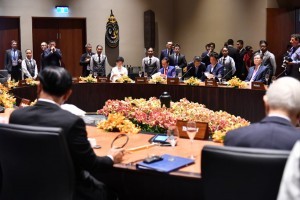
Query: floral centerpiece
(88, 79)
(124, 79)
(237, 83)
(117, 122)
(150, 117)
(31, 81)
(157, 78)
(6, 100)
(12, 84)
(192, 81)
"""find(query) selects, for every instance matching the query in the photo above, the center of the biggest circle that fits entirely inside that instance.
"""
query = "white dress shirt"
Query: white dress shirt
(118, 72)
(25, 71)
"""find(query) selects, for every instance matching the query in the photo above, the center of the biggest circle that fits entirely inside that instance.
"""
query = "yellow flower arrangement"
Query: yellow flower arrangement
(118, 122)
(236, 82)
(124, 79)
(30, 81)
(157, 79)
(192, 81)
(88, 79)
(6, 100)
(12, 84)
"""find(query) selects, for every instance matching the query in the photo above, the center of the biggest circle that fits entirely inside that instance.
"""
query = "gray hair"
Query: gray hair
(284, 94)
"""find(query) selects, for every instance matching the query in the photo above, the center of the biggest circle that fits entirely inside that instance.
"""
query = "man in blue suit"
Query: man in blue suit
(214, 68)
(167, 71)
(257, 72)
(52, 55)
(277, 130)
(166, 52)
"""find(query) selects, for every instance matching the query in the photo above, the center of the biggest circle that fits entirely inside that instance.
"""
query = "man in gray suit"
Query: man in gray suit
(13, 60)
(277, 130)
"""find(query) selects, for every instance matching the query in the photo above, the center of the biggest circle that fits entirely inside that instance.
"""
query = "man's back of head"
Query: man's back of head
(55, 81)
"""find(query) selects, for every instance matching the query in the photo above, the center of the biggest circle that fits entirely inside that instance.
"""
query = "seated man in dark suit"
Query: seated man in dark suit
(277, 130)
(196, 68)
(54, 89)
(257, 72)
(167, 71)
(215, 69)
(52, 55)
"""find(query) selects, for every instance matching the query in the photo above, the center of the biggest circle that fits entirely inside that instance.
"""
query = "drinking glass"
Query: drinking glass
(95, 74)
(173, 74)
(191, 130)
(173, 135)
(145, 75)
(267, 77)
(273, 78)
(140, 73)
(219, 77)
(179, 75)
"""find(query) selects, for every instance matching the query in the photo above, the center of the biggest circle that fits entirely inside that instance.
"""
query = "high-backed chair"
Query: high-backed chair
(234, 173)
(35, 164)
(3, 75)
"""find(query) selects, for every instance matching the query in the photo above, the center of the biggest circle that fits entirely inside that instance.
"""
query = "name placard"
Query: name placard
(102, 79)
(139, 80)
(257, 86)
(211, 83)
(24, 103)
(202, 133)
(22, 83)
(75, 79)
(172, 81)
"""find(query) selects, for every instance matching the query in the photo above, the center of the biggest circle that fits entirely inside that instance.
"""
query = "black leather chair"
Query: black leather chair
(35, 164)
(234, 173)
(3, 75)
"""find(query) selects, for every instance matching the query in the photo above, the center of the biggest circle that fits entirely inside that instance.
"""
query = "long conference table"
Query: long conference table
(92, 96)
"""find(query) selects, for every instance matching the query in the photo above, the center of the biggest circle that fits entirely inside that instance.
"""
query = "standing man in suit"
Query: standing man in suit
(42, 63)
(98, 61)
(150, 64)
(228, 63)
(177, 59)
(241, 71)
(29, 66)
(214, 68)
(293, 66)
(268, 58)
(54, 89)
(210, 47)
(277, 130)
(52, 55)
(167, 71)
(257, 72)
(13, 60)
(166, 52)
(86, 59)
(196, 68)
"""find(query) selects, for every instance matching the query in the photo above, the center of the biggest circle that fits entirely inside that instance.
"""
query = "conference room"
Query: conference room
(140, 99)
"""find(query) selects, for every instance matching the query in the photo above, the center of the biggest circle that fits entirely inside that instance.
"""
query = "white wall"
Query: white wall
(199, 22)
(129, 13)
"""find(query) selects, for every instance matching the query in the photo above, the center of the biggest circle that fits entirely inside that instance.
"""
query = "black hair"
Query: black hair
(212, 44)
(248, 48)
(120, 59)
(99, 46)
(241, 42)
(166, 59)
(230, 42)
(150, 48)
(197, 58)
(177, 45)
(263, 42)
(51, 41)
(296, 36)
(214, 54)
(55, 81)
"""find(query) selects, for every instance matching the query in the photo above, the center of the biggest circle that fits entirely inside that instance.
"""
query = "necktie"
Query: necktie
(176, 60)
(14, 57)
(166, 70)
(99, 57)
(223, 61)
(30, 63)
(149, 61)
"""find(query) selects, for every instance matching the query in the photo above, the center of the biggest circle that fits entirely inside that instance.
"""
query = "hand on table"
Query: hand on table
(117, 154)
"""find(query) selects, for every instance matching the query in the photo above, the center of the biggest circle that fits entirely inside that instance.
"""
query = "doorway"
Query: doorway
(70, 37)
(9, 30)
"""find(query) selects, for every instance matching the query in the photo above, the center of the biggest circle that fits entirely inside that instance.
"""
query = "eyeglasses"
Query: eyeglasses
(120, 144)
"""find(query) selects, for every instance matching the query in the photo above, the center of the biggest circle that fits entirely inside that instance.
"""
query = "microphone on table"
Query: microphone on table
(227, 73)
(187, 72)
(280, 74)
(153, 71)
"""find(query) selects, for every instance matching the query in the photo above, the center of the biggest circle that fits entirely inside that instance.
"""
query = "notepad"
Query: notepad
(168, 164)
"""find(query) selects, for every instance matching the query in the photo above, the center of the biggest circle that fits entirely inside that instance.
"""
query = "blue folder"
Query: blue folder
(168, 164)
